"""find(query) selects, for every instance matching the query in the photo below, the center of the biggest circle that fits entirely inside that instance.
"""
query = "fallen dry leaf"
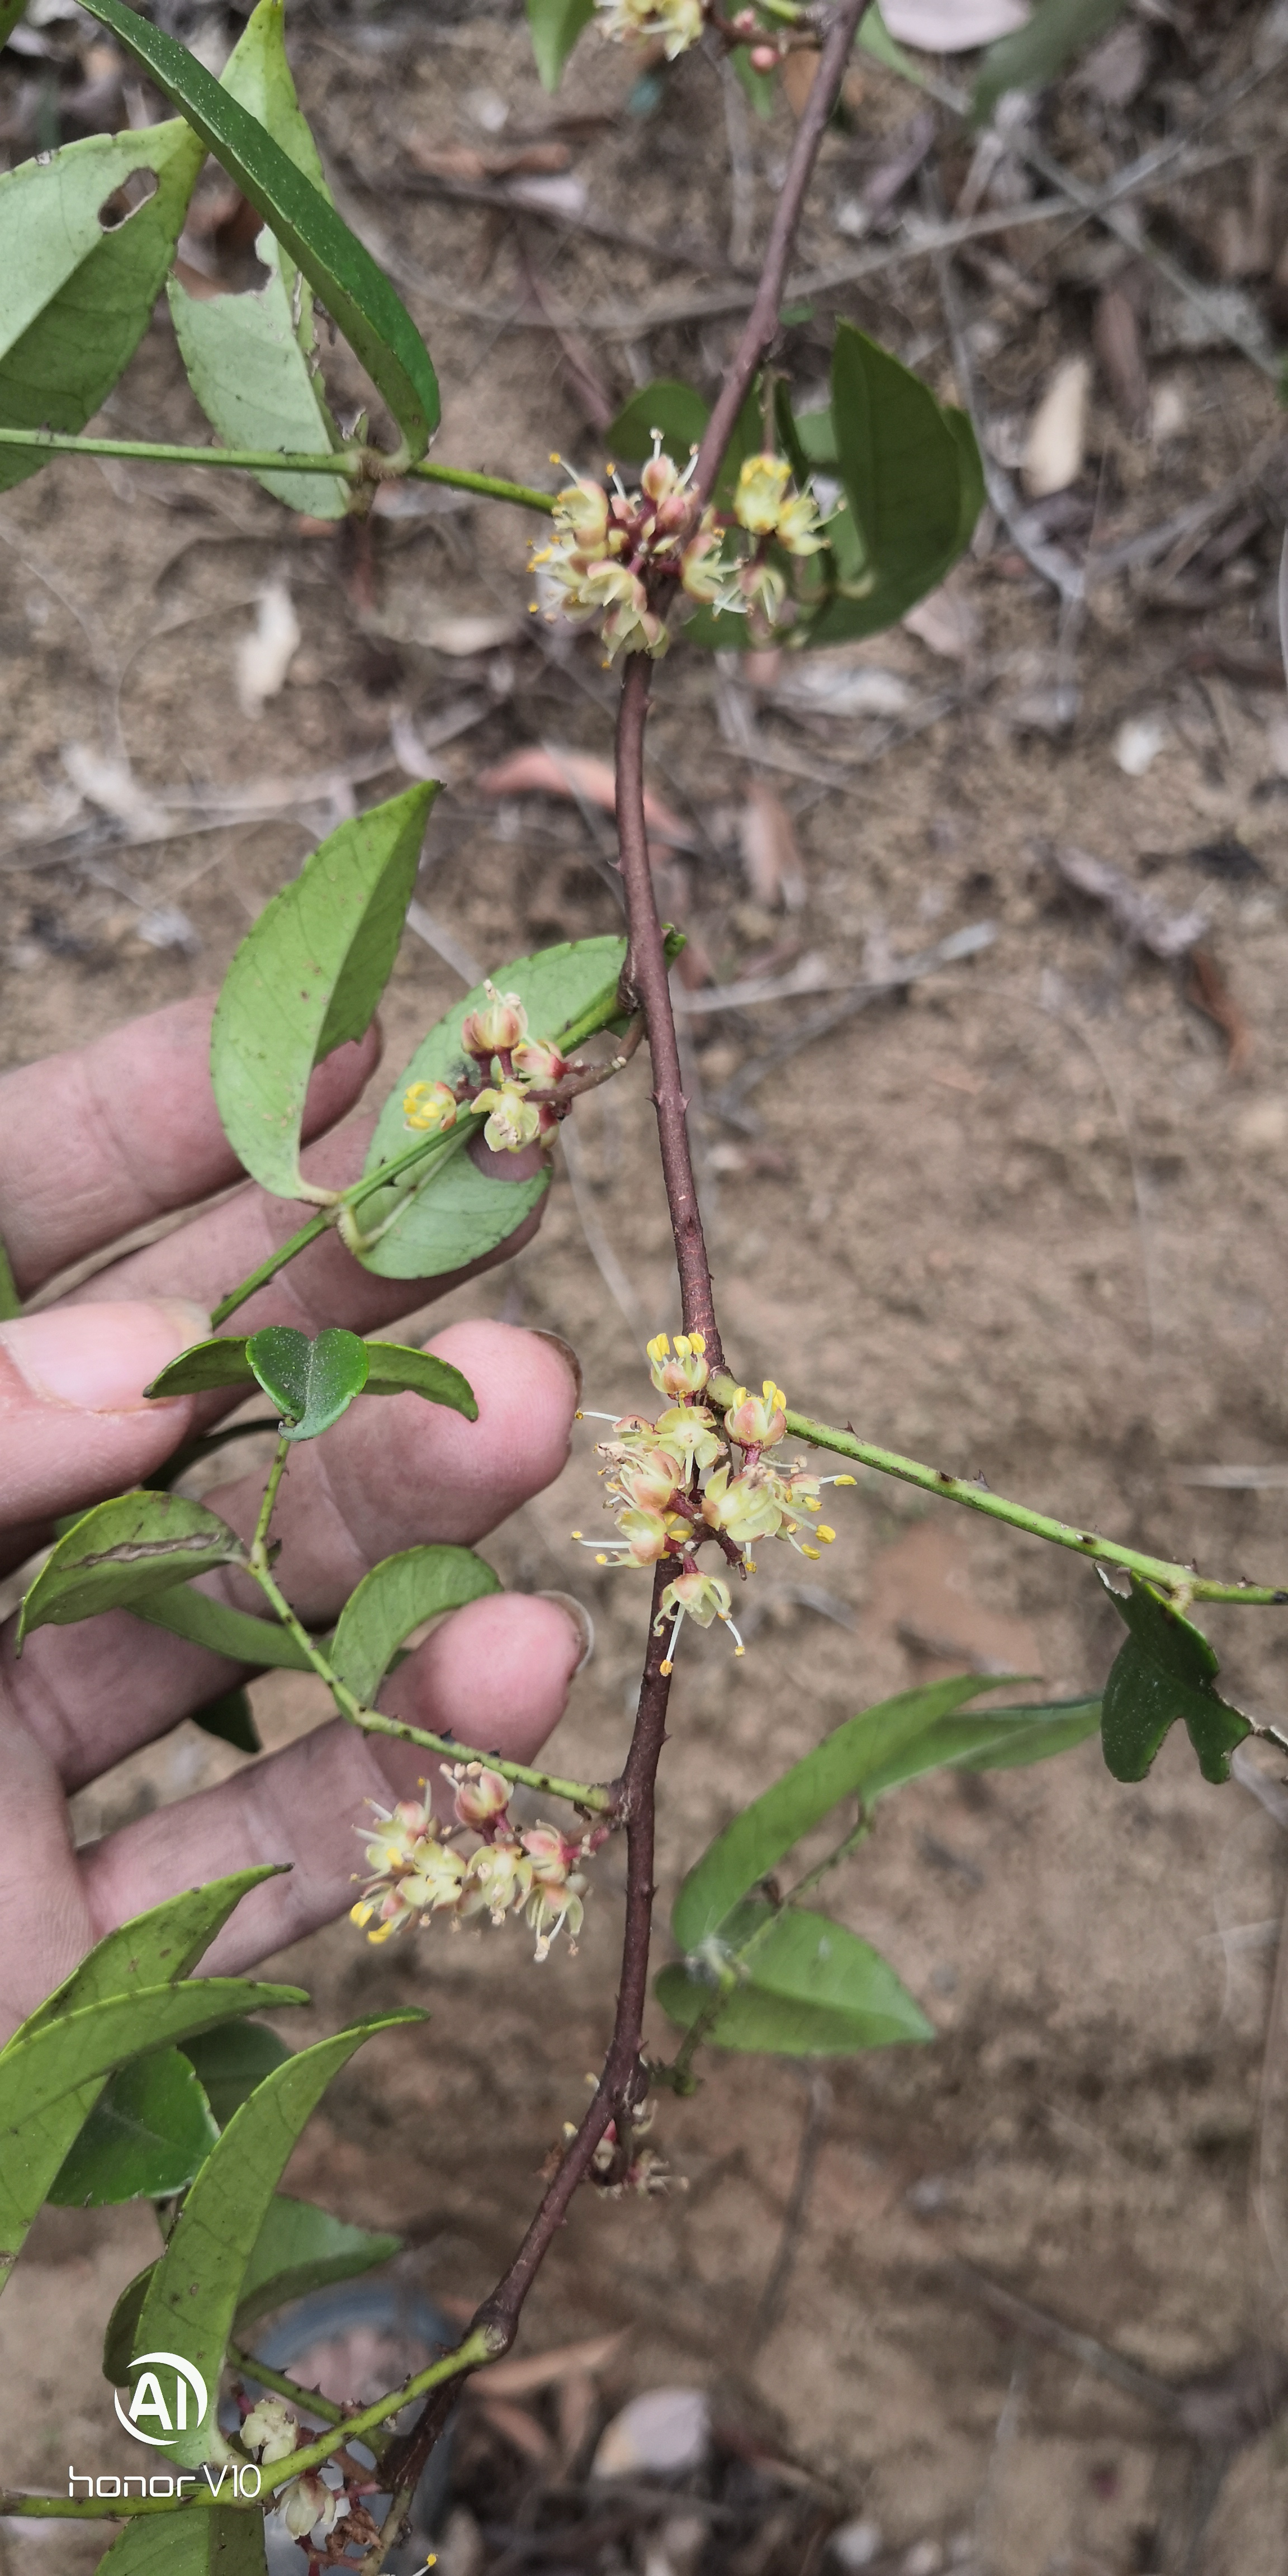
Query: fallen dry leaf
(1115, 336)
(468, 162)
(1208, 990)
(769, 852)
(516, 2426)
(550, 771)
(264, 656)
(521, 2375)
(1138, 916)
(953, 26)
(1057, 435)
(660, 2434)
(946, 621)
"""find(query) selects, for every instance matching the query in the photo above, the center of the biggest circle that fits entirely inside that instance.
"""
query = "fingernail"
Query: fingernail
(100, 1358)
(579, 1616)
(567, 1353)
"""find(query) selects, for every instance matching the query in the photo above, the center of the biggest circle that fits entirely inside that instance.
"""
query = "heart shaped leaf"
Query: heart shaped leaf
(86, 237)
(121, 1553)
(396, 1597)
(1165, 1670)
(375, 323)
(251, 358)
(308, 977)
(311, 1382)
(147, 2135)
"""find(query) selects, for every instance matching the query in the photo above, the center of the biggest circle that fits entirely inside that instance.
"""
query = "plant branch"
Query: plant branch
(761, 326)
(646, 974)
(259, 1544)
(1180, 1581)
(245, 2366)
(347, 464)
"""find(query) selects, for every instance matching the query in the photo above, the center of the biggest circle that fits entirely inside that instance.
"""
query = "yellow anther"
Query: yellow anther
(574, 1533)
(823, 1532)
(845, 1480)
(601, 1560)
(666, 1667)
(738, 1650)
(814, 1552)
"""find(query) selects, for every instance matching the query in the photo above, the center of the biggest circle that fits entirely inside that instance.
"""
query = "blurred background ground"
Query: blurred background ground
(1023, 1214)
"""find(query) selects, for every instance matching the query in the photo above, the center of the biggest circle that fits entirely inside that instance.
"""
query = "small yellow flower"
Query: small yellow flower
(684, 1375)
(515, 1120)
(757, 1421)
(762, 485)
(677, 22)
(429, 1105)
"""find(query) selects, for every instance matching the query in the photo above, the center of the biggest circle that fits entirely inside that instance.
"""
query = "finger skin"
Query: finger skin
(395, 1472)
(103, 1138)
(500, 1667)
(74, 1422)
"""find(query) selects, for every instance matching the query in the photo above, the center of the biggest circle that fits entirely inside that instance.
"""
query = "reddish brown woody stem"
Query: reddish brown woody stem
(762, 322)
(647, 976)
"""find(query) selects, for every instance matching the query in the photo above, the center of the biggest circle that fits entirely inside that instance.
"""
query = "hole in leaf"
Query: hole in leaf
(127, 199)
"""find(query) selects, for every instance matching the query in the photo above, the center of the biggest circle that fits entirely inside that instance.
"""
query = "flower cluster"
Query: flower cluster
(773, 514)
(677, 23)
(689, 1477)
(418, 1868)
(271, 2431)
(614, 556)
(518, 1108)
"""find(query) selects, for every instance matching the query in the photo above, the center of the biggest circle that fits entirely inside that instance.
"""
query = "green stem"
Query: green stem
(578, 1793)
(353, 1197)
(477, 2349)
(259, 1543)
(1178, 1580)
(348, 465)
(268, 1269)
(313, 2403)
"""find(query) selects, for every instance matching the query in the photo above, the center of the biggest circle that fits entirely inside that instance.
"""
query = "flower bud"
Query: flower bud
(496, 1028)
(270, 2429)
(429, 1105)
(539, 1060)
(498, 1877)
(764, 58)
(650, 1481)
(309, 2500)
(481, 1796)
(581, 512)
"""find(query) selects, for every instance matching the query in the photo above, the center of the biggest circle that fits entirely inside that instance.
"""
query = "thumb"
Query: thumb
(74, 1422)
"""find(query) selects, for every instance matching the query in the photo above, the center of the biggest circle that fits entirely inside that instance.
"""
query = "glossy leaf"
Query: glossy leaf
(230, 1717)
(394, 1599)
(901, 464)
(149, 2131)
(459, 1212)
(251, 358)
(311, 1382)
(192, 2297)
(1165, 1670)
(44, 2074)
(812, 1989)
(360, 299)
(1037, 53)
(308, 976)
(554, 26)
(396, 1368)
(300, 2248)
(80, 270)
(221, 2540)
(840, 1767)
(166, 1942)
(232, 2060)
(259, 1643)
(121, 1553)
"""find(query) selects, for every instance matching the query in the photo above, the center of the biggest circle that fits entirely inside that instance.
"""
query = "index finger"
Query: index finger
(103, 1138)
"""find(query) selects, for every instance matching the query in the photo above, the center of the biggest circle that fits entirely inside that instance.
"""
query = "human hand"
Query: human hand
(97, 1143)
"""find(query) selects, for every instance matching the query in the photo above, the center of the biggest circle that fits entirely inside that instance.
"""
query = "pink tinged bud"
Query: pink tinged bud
(680, 1374)
(764, 58)
(539, 1060)
(757, 1421)
(660, 478)
(496, 1028)
(481, 1797)
(581, 512)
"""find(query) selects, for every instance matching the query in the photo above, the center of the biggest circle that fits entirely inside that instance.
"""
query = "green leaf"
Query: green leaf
(311, 1382)
(260, 1643)
(396, 1368)
(902, 465)
(761, 87)
(11, 14)
(840, 1767)
(308, 977)
(221, 2540)
(251, 358)
(220, 1362)
(393, 1599)
(675, 409)
(875, 38)
(554, 26)
(376, 324)
(44, 2074)
(232, 2060)
(10, 1301)
(121, 2340)
(458, 1213)
(971, 467)
(166, 1942)
(300, 2248)
(816, 431)
(1165, 1670)
(192, 2297)
(230, 1717)
(80, 273)
(1035, 54)
(147, 2134)
(991, 1739)
(813, 1989)
(121, 1553)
